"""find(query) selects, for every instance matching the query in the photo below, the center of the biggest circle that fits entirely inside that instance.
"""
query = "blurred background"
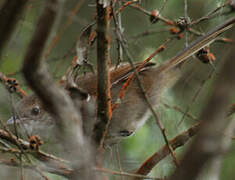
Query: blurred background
(189, 95)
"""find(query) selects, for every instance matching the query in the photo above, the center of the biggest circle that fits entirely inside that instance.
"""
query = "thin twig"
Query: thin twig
(24, 145)
(137, 176)
(65, 26)
(186, 16)
(200, 87)
(209, 15)
(158, 17)
(180, 110)
(126, 4)
(14, 163)
(12, 85)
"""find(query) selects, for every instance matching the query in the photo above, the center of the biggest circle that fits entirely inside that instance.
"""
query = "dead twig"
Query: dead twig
(104, 110)
(12, 85)
(137, 176)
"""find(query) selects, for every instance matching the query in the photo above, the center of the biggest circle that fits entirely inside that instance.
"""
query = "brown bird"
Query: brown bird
(132, 112)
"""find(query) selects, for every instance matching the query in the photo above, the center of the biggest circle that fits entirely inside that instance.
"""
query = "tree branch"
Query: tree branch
(104, 111)
(54, 99)
(208, 142)
(176, 142)
(9, 15)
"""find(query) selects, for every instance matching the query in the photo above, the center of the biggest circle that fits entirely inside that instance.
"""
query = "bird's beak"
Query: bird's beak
(12, 120)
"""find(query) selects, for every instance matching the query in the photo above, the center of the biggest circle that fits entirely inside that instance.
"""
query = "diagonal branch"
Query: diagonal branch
(54, 99)
(208, 142)
(176, 142)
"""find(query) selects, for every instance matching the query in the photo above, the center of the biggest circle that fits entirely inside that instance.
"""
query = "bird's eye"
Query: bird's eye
(125, 133)
(35, 111)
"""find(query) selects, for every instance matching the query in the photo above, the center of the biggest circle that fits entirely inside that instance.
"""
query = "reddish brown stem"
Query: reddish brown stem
(104, 111)
(176, 142)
